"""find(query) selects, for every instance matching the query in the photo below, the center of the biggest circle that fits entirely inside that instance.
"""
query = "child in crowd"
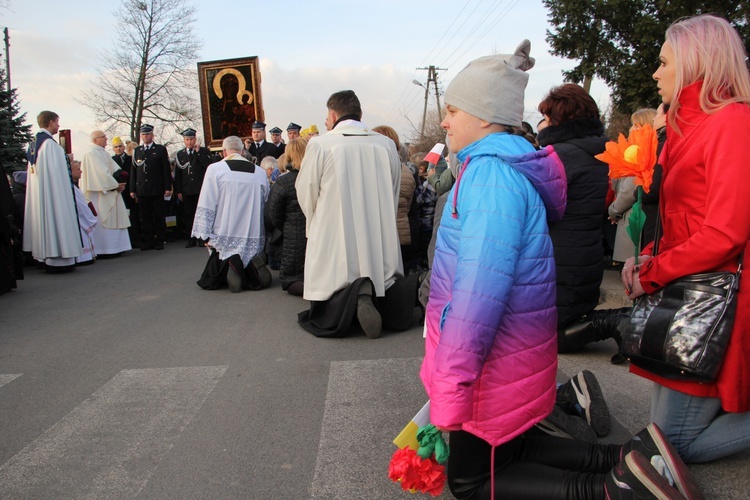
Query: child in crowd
(490, 360)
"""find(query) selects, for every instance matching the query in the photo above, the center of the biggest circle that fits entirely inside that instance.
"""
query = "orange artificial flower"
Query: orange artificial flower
(632, 157)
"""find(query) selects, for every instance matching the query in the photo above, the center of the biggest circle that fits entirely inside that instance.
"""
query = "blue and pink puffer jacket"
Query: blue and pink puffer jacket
(491, 349)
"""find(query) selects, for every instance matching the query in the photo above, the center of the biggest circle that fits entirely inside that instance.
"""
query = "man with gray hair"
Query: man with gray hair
(229, 221)
(100, 188)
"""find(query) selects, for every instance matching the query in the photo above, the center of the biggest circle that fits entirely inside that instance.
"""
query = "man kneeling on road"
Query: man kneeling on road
(348, 188)
(229, 219)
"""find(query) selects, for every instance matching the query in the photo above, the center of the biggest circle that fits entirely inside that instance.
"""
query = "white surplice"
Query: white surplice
(348, 188)
(50, 227)
(87, 221)
(230, 210)
(100, 188)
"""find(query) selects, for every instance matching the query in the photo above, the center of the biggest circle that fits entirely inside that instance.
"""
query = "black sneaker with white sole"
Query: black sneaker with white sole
(634, 478)
(582, 396)
(561, 424)
(654, 445)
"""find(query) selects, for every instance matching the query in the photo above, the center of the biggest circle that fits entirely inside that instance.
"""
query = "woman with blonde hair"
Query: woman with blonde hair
(620, 209)
(283, 212)
(705, 217)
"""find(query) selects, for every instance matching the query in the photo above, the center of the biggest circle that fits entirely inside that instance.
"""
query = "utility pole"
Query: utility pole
(7, 57)
(426, 96)
(431, 78)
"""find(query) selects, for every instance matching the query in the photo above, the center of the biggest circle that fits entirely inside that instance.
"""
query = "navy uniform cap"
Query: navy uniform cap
(275, 130)
(146, 128)
(260, 125)
(188, 132)
(293, 126)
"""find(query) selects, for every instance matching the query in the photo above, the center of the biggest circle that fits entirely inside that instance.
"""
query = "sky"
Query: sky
(307, 51)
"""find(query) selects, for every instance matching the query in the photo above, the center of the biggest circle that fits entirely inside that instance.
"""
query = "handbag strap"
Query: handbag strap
(658, 234)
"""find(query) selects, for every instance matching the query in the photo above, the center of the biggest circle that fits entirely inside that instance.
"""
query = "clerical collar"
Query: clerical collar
(236, 156)
(344, 118)
(47, 132)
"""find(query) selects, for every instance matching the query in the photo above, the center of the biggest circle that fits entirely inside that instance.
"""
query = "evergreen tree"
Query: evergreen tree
(619, 40)
(14, 133)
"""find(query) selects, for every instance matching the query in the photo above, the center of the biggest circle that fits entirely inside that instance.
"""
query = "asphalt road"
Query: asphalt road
(126, 380)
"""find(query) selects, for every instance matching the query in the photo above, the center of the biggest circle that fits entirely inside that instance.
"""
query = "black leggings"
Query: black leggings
(532, 466)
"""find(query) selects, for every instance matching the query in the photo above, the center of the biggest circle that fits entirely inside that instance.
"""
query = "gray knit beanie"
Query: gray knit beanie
(492, 87)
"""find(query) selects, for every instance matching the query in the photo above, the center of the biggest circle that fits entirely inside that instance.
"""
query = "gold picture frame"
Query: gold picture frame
(230, 98)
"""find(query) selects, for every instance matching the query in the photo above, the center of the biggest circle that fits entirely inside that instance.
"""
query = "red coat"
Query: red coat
(705, 210)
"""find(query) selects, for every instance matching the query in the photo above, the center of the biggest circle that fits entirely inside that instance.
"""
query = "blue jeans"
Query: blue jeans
(697, 427)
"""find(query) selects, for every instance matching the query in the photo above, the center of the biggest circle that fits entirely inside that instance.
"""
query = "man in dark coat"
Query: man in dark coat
(277, 143)
(191, 164)
(292, 131)
(150, 182)
(125, 162)
(259, 148)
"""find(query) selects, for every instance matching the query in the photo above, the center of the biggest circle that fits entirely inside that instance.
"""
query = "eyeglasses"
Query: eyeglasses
(100, 137)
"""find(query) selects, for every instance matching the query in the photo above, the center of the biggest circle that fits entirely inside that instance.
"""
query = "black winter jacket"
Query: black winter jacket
(577, 237)
(283, 211)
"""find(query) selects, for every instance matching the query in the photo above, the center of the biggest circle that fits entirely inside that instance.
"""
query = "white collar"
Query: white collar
(351, 123)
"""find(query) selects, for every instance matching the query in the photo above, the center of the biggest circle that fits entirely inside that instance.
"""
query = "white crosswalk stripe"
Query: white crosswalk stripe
(110, 445)
(367, 404)
(5, 379)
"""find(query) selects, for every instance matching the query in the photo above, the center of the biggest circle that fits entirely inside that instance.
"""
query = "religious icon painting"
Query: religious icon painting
(230, 98)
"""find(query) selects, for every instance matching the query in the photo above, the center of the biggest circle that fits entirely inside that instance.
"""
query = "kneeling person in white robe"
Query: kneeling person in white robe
(348, 188)
(229, 220)
(103, 191)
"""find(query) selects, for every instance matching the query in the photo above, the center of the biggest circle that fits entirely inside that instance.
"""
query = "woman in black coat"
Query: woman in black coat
(577, 135)
(283, 211)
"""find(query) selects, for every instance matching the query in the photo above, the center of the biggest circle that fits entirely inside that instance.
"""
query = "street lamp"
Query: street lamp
(426, 97)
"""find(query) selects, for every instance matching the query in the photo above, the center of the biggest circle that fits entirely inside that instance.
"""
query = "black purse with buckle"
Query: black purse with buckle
(682, 331)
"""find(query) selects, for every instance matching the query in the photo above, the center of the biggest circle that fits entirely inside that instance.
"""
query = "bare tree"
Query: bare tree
(149, 77)
(433, 132)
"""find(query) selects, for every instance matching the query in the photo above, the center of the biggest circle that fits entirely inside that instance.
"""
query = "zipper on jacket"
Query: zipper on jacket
(454, 208)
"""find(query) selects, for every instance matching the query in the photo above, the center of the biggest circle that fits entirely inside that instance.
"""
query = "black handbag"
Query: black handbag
(682, 331)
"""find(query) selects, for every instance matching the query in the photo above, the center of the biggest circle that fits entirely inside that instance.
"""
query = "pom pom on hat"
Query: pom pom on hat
(492, 87)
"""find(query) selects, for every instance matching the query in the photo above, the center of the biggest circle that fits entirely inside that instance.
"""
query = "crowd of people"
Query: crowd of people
(502, 247)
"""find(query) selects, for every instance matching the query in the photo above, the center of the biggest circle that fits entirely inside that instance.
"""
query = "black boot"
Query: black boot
(601, 324)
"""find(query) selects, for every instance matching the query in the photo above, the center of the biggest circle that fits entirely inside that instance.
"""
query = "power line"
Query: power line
(499, 17)
(397, 104)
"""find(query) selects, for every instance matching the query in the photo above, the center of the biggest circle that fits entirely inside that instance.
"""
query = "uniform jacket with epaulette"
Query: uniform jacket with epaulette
(150, 175)
(190, 170)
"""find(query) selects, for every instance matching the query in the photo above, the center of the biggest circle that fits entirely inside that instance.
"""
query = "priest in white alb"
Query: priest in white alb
(50, 227)
(229, 221)
(103, 191)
